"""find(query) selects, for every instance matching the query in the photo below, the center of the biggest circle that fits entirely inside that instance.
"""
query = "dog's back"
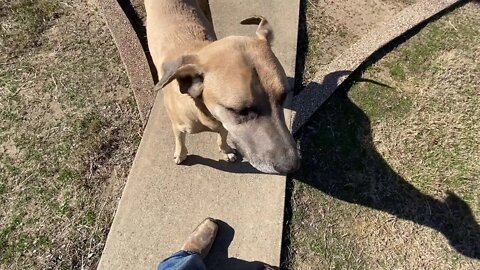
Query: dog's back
(176, 27)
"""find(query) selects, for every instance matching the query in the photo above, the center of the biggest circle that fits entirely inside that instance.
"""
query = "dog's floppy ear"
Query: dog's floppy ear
(264, 30)
(187, 72)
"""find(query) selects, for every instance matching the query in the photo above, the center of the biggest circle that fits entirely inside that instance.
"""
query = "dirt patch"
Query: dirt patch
(360, 16)
(390, 174)
(333, 26)
(68, 133)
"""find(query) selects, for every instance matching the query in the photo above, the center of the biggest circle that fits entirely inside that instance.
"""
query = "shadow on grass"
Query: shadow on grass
(340, 159)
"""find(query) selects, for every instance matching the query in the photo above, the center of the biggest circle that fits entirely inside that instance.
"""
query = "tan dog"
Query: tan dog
(234, 85)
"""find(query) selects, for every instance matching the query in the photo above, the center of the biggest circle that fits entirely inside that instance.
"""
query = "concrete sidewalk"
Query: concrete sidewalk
(163, 202)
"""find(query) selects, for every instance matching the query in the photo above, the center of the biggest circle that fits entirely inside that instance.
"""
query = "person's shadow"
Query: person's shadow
(218, 259)
(340, 159)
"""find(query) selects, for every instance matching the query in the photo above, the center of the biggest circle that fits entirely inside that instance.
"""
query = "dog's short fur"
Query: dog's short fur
(233, 85)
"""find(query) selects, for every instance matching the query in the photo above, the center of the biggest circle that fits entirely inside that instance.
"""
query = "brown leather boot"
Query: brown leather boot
(202, 238)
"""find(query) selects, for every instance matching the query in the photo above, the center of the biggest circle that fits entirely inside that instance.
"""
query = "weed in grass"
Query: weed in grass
(90, 218)
(68, 175)
(396, 71)
(64, 208)
(89, 124)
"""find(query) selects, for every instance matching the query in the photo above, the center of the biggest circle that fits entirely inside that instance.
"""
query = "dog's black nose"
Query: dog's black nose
(288, 163)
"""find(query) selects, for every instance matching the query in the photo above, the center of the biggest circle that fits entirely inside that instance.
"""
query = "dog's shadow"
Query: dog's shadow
(239, 166)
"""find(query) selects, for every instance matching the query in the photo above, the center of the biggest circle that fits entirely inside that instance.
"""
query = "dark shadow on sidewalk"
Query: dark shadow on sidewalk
(218, 258)
(302, 47)
(233, 167)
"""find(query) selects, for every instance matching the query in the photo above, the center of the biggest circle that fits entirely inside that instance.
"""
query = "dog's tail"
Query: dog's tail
(264, 30)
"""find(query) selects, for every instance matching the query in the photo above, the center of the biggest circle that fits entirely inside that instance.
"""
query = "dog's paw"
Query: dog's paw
(230, 157)
(179, 158)
(230, 154)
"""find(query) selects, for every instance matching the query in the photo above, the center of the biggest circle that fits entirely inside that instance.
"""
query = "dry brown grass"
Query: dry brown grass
(68, 132)
(333, 26)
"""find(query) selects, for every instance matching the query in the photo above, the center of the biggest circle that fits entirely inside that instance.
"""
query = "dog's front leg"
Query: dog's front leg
(229, 153)
(180, 149)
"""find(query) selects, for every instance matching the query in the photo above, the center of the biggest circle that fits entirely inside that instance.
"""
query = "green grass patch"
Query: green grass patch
(27, 21)
(90, 124)
(320, 237)
(3, 188)
(380, 102)
(69, 175)
(9, 245)
(90, 218)
(396, 71)
(64, 208)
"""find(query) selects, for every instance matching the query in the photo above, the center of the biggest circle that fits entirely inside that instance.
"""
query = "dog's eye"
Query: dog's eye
(249, 112)
(245, 114)
(282, 98)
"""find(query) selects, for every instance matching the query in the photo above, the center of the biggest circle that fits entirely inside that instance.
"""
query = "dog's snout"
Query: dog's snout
(288, 163)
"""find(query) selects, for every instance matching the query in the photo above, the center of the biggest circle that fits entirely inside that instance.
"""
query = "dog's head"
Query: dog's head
(243, 85)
